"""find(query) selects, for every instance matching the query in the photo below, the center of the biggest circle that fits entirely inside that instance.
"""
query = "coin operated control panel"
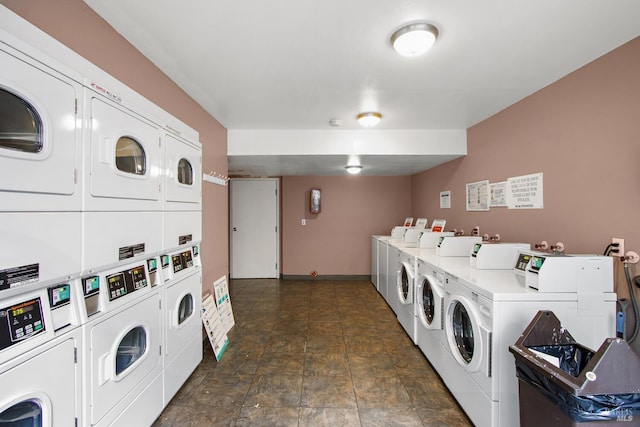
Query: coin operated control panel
(180, 263)
(496, 256)
(456, 245)
(570, 273)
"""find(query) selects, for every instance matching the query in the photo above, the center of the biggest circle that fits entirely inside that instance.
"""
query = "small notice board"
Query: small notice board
(213, 325)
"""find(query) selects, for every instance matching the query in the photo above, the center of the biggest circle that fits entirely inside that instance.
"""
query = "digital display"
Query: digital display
(536, 262)
(523, 260)
(91, 285)
(177, 263)
(152, 264)
(164, 259)
(125, 282)
(20, 321)
(440, 240)
(59, 295)
(476, 248)
(196, 251)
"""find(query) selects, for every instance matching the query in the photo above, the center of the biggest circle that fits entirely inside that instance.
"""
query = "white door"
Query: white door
(254, 228)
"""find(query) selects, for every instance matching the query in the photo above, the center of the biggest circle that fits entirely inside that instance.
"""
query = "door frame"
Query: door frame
(278, 226)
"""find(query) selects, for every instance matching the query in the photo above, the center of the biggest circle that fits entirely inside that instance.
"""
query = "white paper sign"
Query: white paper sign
(213, 325)
(498, 194)
(525, 192)
(478, 196)
(445, 199)
(223, 301)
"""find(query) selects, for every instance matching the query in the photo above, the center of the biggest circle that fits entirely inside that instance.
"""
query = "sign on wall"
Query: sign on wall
(445, 199)
(525, 192)
(478, 196)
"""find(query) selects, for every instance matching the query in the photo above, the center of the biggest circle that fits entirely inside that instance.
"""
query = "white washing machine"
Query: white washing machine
(182, 325)
(485, 312)
(39, 371)
(403, 297)
(392, 270)
(40, 159)
(430, 336)
(122, 338)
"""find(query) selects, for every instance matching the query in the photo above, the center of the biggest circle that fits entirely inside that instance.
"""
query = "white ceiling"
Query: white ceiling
(296, 64)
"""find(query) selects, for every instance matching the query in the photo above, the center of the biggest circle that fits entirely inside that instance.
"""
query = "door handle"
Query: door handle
(235, 229)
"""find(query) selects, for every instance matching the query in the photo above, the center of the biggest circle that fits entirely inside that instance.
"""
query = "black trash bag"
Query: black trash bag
(602, 407)
(573, 359)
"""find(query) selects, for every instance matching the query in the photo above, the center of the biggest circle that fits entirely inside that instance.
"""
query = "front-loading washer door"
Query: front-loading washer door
(463, 332)
(405, 284)
(430, 303)
(39, 148)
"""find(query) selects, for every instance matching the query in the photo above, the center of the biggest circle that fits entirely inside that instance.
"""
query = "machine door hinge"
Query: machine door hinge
(160, 348)
(276, 228)
(276, 191)
(76, 422)
(75, 356)
(76, 107)
(75, 176)
(160, 304)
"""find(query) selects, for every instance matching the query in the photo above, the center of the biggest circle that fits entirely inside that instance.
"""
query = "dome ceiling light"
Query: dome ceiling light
(369, 119)
(414, 39)
(354, 169)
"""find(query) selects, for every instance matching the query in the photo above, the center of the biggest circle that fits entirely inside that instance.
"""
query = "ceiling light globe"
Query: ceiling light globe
(369, 119)
(354, 169)
(414, 39)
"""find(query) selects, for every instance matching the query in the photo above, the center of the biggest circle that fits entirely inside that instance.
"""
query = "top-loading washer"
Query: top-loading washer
(122, 335)
(182, 326)
(39, 368)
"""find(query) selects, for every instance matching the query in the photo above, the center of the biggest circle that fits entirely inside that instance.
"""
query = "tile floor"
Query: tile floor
(313, 353)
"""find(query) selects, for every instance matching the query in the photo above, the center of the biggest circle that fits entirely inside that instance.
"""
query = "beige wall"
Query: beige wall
(337, 240)
(583, 133)
(75, 25)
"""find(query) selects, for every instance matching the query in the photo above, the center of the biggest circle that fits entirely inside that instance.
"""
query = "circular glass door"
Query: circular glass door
(462, 330)
(130, 156)
(428, 303)
(131, 348)
(404, 284)
(185, 310)
(20, 124)
(185, 172)
(22, 414)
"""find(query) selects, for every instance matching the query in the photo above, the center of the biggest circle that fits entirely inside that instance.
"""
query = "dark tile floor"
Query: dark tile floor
(313, 353)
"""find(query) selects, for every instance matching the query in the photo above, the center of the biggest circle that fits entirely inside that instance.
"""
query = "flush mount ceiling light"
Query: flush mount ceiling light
(414, 39)
(369, 119)
(354, 169)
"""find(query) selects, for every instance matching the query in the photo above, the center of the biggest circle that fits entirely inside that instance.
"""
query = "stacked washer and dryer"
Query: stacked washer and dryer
(100, 271)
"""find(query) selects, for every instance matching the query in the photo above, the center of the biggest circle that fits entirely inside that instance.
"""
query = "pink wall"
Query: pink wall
(583, 133)
(75, 25)
(337, 240)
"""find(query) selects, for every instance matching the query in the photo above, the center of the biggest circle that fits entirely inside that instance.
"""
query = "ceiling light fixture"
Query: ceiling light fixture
(369, 119)
(414, 39)
(354, 169)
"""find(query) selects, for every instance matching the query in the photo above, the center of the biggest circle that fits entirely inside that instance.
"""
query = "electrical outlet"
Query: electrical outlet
(303, 222)
(619, 250)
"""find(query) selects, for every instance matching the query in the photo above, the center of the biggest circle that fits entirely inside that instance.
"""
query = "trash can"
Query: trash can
(562, 383)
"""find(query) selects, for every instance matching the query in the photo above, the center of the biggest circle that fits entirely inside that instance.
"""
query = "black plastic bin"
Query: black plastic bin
(589, 388)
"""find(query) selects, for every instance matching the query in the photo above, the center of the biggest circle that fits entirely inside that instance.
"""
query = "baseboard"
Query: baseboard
(366, 277)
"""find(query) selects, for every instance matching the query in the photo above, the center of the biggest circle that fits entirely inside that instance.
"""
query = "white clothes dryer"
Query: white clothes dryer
(404, 294)
(39, 368)
(430, 288)
(182, 174)
(122, 345)
(182, 326)
(40, 140)
(123, 156)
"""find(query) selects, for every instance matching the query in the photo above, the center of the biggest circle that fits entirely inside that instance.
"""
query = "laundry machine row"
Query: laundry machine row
(91, 173)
